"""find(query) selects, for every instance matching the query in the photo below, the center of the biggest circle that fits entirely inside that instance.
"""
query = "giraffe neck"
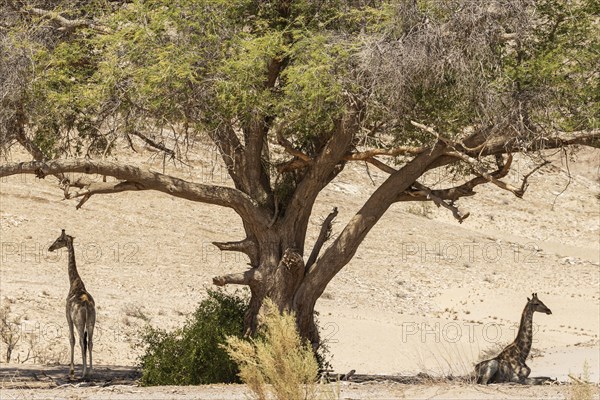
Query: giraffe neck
(74, 277)
(525, 335)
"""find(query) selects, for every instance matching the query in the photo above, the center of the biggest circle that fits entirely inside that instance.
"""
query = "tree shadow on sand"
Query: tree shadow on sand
(40, 376)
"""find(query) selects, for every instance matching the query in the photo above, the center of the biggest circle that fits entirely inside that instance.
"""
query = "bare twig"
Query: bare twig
(525, 184)
(441, 203)
(154, 144)
(393, 152)
(66, 23)
(289, 148)
(479, 170)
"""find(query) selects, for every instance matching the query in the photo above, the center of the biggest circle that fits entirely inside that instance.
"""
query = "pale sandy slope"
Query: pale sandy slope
(422, 294)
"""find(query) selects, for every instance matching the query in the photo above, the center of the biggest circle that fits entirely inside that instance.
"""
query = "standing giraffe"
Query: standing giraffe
(509, 365)
(81, 310)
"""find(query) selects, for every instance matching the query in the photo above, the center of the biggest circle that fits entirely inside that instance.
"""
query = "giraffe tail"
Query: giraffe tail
(85, 333)
(85, 341)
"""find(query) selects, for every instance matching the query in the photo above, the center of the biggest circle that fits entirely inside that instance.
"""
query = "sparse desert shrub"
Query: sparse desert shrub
(50, 353)
(322, 354)
(581, 388)
(135, 312)
(9, 330)
(277, 361)
(422, 209)
(194, 354)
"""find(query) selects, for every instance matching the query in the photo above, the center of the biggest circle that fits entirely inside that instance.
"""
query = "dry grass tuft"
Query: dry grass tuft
(278, 362)
(581, 388)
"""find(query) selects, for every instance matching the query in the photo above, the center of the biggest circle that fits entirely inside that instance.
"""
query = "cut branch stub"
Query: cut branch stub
(246, 246)
(324, 234)
(243, 278)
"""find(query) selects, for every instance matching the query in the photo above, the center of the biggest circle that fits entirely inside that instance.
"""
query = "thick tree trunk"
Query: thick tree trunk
(278, 274)
(277, 277)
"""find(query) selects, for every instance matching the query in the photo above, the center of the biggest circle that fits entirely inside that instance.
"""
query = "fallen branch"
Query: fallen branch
(573, 377)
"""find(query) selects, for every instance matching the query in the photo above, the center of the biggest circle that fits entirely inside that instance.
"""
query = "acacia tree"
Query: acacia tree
(290, 92)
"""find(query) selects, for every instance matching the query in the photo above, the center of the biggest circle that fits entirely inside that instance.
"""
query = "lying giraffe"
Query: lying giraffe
(81, 310)
(509, 365)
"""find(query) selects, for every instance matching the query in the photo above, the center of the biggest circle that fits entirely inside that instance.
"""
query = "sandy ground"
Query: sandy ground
(423, 293)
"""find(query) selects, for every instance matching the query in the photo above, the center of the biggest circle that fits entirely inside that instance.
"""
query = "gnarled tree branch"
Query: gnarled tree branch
(138, 179)
(345, 245)
(480, 145)
(320, 173)
(479, 170)
(423, 192)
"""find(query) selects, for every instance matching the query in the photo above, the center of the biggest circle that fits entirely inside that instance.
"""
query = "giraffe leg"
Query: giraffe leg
(539, 380)
(90, 335)
(486, 371)
(520, 374)
(72, 343)
(525, 371)
(83, 344)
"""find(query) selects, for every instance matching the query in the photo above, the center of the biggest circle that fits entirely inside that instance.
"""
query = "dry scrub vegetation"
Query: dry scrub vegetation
(278, 362)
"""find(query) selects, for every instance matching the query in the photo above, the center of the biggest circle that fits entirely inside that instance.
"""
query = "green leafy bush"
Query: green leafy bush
(194, 354)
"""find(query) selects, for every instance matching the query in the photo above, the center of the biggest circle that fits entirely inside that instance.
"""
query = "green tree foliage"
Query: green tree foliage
(191, 66)
(193, 354)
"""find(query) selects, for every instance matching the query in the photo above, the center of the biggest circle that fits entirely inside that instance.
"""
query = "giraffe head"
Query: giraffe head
(61, 242)
(537, 304)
